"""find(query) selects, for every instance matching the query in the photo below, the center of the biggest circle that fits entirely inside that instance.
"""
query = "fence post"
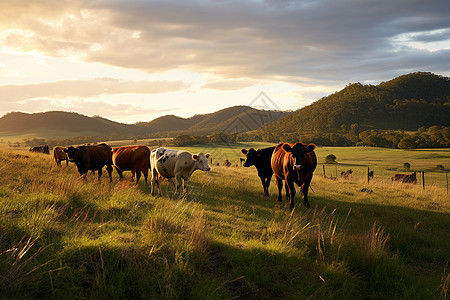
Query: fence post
(368, 176)
(446, 177)
(335, 168)
(423, 179)
(324, 175)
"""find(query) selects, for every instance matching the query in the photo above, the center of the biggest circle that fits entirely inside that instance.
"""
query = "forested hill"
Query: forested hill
(406, 102)
(228, 120)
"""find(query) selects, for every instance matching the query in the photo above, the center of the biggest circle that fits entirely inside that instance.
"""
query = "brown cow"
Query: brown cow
(406, 178)
(59, 155)
(40, 149)
(132, 158)
(294, 163)
(92, 158)
(346, 174)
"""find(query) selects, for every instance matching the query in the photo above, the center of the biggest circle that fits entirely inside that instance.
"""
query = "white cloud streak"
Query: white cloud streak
(325, 40)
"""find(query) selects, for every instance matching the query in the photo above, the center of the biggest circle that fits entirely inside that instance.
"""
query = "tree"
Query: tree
(406, 143)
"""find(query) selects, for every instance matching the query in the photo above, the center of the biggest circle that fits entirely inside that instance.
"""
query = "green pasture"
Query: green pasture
(61, 237)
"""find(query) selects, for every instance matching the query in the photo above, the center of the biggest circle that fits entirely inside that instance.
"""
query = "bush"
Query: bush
(330, 159)
(406, 166)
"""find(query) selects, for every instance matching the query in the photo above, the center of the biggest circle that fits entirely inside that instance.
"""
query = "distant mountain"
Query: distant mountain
(18, 122)
(232, 119)
(406, 102)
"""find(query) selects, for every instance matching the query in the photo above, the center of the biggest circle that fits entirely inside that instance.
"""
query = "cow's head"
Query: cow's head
(201, 161)
(252, 156)
(298, 152)
(71, 153)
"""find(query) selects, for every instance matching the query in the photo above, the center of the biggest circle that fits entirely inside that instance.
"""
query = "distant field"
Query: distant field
(383, 161)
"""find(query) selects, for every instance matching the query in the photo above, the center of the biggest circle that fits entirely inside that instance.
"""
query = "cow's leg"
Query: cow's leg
(99, 174)
(138, 176)
(286, 187)
(120, 172)
(132, 175)
(280, 186)
(145, 172)
(109, 169)
(67, 162)
(155, 180)
(305, 189)
(268, 179)
(263, 182)
(178, 182)
(291, 187)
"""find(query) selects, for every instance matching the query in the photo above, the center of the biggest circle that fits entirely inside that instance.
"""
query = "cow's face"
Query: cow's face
(201, 161)
(71, 153)
(252, 156)
(298, 154)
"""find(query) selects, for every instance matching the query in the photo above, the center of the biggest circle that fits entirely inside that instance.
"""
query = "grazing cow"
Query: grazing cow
(346, 174)
(178, 164)
(261, 160)
(59, 155)
(406, 178)
(294, 163)
(91, 158)
(226, 163)
(40, 149)
(132, 158)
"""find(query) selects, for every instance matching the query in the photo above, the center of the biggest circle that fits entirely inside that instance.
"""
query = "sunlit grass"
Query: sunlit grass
(83, 239)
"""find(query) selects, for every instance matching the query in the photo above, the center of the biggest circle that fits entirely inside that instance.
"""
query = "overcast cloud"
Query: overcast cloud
(305, 43)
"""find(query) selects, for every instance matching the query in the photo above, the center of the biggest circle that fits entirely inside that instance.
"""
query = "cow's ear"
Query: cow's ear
(258, 152)
(310, 147)
(244, 151)
(195, 157)
(207, 155)
(287, 148)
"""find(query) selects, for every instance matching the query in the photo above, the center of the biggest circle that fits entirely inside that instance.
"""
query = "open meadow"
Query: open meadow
(63, 238)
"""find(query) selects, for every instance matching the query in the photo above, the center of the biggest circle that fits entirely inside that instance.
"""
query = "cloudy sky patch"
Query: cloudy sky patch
(197, 56)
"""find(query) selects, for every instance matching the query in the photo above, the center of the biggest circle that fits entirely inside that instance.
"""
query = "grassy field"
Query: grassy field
(61, 237)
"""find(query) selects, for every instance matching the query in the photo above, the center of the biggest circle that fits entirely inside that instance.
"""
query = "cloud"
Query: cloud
(229, 84)
(86, 89)
(324, 41)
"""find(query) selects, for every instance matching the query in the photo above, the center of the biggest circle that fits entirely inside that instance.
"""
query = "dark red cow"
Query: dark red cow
(406, 178)
(294, 163)
(132, 158)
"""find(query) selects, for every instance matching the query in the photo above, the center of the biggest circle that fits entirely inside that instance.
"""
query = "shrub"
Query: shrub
(330, 159)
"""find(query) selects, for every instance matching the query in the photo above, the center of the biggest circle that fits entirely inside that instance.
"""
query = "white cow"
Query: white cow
(178, 164)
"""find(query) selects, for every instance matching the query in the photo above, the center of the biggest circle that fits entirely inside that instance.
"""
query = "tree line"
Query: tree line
(424, 137)
(353, 135)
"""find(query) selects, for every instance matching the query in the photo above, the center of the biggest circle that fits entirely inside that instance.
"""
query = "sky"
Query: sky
(135, 60)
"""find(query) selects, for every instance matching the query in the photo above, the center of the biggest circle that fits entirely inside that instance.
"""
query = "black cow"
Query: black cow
(261, 160)
(91, 158)
(40, 149)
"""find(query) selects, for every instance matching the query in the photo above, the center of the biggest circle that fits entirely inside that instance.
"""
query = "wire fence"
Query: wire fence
(425, 178)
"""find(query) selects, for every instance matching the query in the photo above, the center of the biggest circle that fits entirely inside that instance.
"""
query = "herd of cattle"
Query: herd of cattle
(291, 163)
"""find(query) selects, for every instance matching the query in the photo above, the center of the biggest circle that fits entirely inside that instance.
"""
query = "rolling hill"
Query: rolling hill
(407, 103)
(232, 119)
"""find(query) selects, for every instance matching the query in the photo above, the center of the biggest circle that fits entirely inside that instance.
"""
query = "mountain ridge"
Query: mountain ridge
(168, 125)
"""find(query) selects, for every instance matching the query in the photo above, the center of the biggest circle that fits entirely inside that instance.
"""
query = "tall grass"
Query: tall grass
(62, 237)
